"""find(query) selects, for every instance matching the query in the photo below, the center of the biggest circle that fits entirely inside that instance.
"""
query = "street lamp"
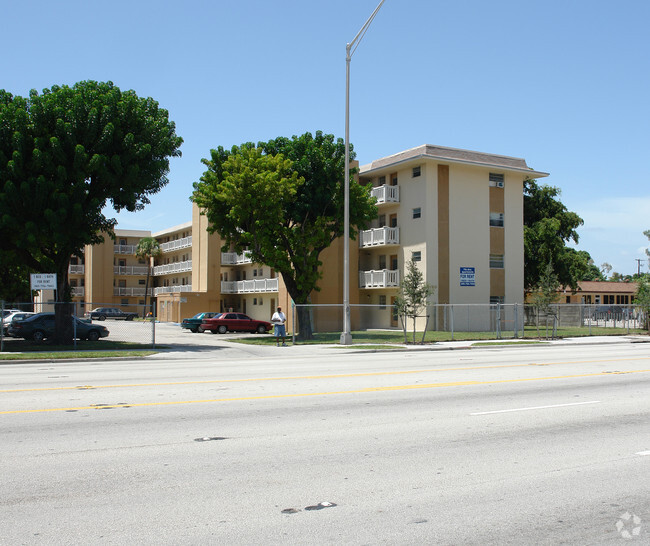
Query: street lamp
(346, 335)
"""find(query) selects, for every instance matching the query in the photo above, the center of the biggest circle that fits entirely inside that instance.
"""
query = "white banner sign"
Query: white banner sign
(43, 281)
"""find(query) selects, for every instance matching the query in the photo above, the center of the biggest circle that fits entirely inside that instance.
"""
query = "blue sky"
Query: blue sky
(564, 85)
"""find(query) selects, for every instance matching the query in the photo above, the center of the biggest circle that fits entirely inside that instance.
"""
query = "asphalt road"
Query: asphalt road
(518, 445)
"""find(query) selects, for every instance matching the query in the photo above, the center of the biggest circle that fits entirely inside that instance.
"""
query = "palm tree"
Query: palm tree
(147, 248)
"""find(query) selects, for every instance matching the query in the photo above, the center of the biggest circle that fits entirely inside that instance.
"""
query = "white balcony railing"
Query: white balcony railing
(379, 236)
(124, 249)
(176, 267)
(172, 289)
(130, 269)
(170, 246)
(384, 278)
(386, 194)
(254, 285)
(78, 291)
(232, 258)
(77, 269)
(133, 291)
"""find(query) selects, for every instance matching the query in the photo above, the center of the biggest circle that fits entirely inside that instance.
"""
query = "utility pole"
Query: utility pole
(346, 335)
(638, 266)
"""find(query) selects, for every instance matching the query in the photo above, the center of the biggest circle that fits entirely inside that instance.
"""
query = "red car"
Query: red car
(235, 322)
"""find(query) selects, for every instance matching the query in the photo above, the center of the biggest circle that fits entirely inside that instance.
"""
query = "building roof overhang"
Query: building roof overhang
(442, 154)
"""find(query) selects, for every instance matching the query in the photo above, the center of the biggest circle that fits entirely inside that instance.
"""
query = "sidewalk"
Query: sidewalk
(226, 349)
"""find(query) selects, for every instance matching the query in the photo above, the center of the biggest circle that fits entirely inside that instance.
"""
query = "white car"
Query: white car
(14, 315)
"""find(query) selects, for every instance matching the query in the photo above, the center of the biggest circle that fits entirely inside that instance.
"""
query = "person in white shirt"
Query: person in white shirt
(278, 319)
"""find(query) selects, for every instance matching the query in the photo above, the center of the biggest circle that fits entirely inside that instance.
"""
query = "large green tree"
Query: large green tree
(65, 154)
(283, 200)
(548, 227)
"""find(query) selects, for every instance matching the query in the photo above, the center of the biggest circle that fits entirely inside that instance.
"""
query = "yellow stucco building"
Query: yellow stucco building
(458, 213)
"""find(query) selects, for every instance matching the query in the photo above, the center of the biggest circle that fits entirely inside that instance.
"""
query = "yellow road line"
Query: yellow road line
(298, 395)
(327, 376)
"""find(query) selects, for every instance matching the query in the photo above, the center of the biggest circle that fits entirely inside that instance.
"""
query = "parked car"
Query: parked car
(194, 324)
(8, 312)
(41, 326)
(103, 313)
(235, 322)
(16, 315)
(608, 312)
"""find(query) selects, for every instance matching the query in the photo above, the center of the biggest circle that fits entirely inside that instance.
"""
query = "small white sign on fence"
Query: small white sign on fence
(43, 281)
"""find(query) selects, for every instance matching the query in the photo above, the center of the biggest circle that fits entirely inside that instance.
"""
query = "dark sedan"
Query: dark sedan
(103, 313)
(235, 322)
(41, 326)
(194, 324)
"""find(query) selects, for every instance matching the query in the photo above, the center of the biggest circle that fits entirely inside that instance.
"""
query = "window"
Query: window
(254, 301)
(382, 302)
(497, 299)
(417, 212)
(496, 180)
(496, 219)
(496, 261)
(382, 180)
(142, 281)
(393, 179)
(417, 171)
(416, 256)
(254, 274)
(382, 262)
(382, 220)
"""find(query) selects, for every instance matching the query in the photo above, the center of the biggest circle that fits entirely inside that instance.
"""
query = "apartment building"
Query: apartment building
(457, 213)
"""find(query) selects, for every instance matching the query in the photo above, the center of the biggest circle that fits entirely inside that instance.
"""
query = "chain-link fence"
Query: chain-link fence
(26, 326)
(497, 321)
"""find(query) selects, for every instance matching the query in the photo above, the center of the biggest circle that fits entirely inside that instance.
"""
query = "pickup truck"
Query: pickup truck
(103, 313)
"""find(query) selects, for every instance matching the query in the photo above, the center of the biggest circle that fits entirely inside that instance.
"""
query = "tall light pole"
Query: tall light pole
(346, 335)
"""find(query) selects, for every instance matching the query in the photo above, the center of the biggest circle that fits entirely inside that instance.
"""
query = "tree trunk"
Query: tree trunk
(63, 330)
(146, 291)
(414, 319)
(305, 331)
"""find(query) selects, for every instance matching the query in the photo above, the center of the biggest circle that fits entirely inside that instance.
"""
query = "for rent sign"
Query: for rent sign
(467, 276)
(43, 281)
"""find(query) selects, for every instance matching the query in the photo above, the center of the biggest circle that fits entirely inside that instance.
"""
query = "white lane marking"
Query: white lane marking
(536, 407)
(643, 453)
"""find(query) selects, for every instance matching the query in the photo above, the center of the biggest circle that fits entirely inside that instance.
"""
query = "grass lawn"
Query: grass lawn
(396, 337)
(27, 350)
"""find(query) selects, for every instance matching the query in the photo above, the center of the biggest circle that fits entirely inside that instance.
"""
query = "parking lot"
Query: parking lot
(155, 334)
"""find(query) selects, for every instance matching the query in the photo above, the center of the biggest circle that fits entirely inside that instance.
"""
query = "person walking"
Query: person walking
(279, 330)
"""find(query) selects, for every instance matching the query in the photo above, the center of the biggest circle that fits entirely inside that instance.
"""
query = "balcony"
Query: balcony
(379, 237)
(384, 278)
(130, 269)
(135, 291)
(124, 249)
(170, 246)
(254, 285)
(172, 289)
(176, 267)
(385, 194)
(232, 258)
(77, 269)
